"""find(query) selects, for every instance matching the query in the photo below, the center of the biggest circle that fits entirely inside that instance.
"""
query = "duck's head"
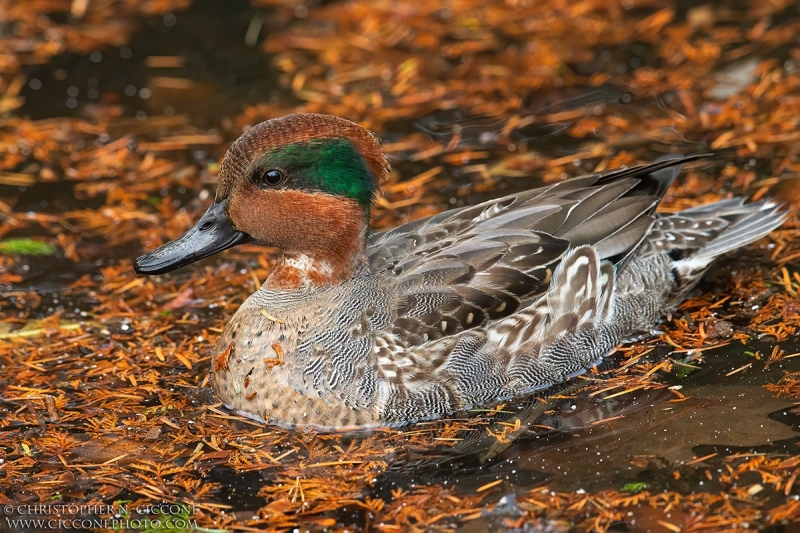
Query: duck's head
(303, 183)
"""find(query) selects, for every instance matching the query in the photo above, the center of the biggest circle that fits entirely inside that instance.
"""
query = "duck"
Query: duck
(471, 307)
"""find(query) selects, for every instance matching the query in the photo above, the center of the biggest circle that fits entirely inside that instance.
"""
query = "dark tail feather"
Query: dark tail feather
(656, 177)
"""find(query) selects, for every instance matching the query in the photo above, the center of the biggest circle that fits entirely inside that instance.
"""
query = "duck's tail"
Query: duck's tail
(692, 239)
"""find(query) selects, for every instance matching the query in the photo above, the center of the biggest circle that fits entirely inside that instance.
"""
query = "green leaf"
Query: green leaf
(682, 372)
(26, 246)
(634, 487)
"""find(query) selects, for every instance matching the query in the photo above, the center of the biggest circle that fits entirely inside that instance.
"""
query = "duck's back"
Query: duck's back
(469, 266)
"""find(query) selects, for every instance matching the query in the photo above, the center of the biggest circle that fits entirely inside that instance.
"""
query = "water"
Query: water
(683, 436)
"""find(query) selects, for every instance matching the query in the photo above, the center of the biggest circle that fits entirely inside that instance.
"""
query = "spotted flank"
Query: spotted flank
(465, 308)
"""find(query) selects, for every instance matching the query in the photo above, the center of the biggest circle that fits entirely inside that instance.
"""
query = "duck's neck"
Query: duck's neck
(296, 270)
(322, 236)
(328, 252)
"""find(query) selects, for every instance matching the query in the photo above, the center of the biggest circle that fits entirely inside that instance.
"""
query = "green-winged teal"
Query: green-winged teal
(472, 306)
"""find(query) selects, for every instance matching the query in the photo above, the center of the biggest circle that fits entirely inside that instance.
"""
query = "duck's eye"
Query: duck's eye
(269, 178)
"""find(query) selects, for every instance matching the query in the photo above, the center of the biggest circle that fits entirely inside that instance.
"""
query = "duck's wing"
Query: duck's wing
(461, 268)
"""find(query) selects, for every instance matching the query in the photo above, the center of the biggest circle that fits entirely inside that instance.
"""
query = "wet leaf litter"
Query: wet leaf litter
(105, 393)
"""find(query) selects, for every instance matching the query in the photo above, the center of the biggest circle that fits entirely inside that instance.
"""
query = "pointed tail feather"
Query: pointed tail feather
(757, 221)
(747, 223)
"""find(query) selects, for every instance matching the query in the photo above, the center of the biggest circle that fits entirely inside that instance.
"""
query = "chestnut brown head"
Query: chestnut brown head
(303, 183)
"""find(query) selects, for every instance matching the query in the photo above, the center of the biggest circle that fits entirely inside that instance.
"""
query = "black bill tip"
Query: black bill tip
(212, 233)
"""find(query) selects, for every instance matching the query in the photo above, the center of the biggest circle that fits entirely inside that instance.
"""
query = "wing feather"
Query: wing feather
(465, 268)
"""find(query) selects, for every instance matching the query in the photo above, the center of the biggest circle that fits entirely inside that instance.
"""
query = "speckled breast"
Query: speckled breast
(296, 358)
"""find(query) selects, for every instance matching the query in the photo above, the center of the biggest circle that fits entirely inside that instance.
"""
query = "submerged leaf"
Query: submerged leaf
(27, 247)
